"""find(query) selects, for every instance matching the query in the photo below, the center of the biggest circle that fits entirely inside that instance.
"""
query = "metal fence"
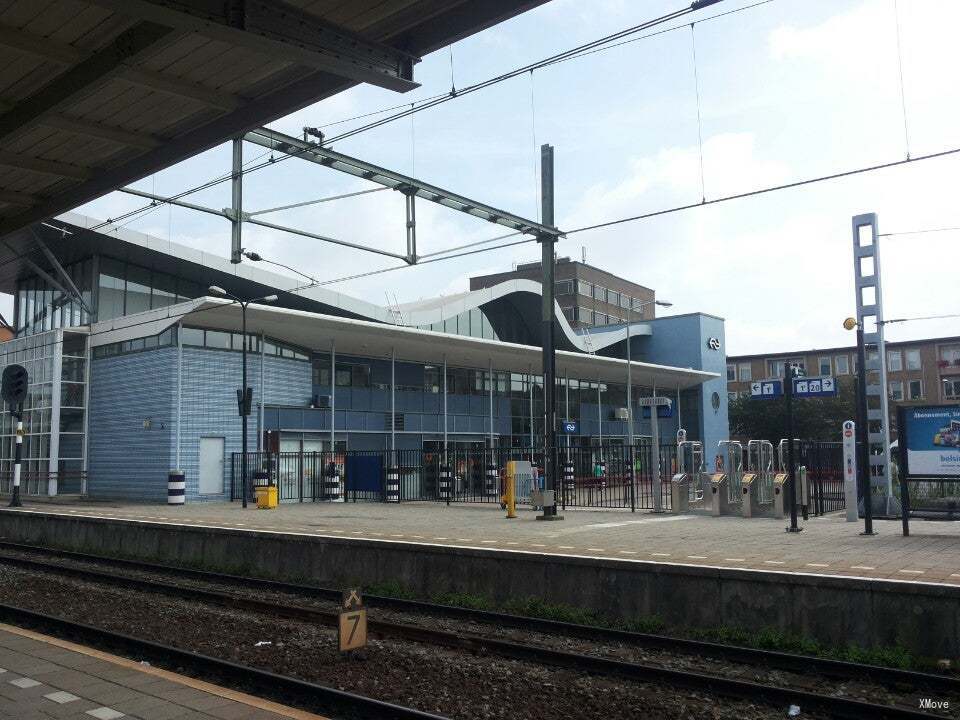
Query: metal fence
(601, 475)
(824, 463)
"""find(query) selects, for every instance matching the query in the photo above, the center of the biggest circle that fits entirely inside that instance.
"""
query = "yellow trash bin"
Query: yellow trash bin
(266, 496)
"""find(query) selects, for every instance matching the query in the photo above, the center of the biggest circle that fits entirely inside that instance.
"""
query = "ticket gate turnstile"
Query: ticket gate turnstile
(686, 484)
(758, 485)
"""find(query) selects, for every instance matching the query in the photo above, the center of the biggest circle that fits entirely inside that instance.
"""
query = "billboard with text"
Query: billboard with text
(932, 436)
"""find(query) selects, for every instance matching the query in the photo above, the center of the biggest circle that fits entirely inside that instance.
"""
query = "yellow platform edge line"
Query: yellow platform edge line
(206, 687)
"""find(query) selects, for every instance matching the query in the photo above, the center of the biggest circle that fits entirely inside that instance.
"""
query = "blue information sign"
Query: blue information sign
(663, 411)
(814, 387)
(766, 389)
(571, 427)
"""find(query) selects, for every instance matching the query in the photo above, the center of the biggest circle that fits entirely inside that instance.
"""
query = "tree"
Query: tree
(813, 419)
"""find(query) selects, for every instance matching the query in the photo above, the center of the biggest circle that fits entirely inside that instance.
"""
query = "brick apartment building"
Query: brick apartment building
(587, 295)
(919, 372)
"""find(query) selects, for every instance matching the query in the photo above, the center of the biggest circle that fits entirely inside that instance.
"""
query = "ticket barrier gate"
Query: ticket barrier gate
(758, 484)
(725, 486)
(802, 496)
(686, 484)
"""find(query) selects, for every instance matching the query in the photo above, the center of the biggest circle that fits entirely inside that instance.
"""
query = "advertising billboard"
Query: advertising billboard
(932, 436)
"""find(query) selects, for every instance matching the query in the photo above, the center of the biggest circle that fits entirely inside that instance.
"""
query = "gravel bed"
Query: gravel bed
(677, 660)
(446, 682)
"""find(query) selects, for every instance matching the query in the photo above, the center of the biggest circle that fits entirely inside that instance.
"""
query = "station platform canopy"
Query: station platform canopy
(317, 332)
(96, 94)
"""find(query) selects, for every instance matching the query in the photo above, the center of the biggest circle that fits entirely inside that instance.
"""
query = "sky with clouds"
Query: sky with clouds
(788, 89)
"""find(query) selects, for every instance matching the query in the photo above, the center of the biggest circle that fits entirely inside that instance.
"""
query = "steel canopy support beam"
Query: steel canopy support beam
(411, 228)
(45, 167)
(283, 32)
(388, 178)
(102, 132)
(171, 201)
(74, 292)
(79, 79)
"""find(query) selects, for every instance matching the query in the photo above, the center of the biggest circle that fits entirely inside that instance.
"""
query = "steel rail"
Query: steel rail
(642, 672)
(291, 691)
(838, 669)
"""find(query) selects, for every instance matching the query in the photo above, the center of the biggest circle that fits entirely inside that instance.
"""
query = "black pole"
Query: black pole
(902, 460)
(547, 244)
(17, 455)
(862, 434)
(792, 470)
(243, 408)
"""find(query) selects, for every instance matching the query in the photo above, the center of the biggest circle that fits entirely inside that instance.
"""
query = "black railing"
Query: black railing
(601, 476)
(824, 463)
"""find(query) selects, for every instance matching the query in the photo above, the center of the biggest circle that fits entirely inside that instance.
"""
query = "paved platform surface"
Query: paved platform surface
(827, 546)
(43, 677)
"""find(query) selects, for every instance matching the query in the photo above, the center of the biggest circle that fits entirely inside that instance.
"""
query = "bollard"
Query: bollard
(176, 488)
(393, 485)
(492, 477)
(603, 474)
(510, 493)
(444, 484)
(569, 479)
(332, 489)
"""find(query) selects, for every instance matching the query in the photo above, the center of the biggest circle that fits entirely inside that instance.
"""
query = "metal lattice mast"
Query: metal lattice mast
(866, 262)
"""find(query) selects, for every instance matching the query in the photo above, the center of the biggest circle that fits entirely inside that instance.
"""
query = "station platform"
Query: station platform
(828, 545)
(827, 583)
(44, 677)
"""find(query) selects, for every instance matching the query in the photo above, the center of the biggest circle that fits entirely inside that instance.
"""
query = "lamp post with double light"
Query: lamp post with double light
(244, 394)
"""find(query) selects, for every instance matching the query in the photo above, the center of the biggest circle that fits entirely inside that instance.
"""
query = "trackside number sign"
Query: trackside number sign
(352, 628)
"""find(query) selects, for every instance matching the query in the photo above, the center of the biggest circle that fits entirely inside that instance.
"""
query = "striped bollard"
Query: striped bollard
(492, 478)
(568, 477)
(444, 484)
(393, 485)
(176, 488)
(332, 489)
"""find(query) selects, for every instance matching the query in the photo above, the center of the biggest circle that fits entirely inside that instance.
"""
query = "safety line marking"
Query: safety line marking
(441, 538)
(565, 547)
(396, 536)
(734, 559)
(628, 552)
(913, 572)
(488, 541)
(418, 537)
(862, 567)
(660, 554)
(954, 574)
(697, 557)
(774, 562)
(510, 542)
(817, 565)
(537, 545)
(464, 539)
(596, 549)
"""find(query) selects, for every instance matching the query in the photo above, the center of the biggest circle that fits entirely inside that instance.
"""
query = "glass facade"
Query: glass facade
(41, 307)
(125, 289)
(54, 412)
(472, 323)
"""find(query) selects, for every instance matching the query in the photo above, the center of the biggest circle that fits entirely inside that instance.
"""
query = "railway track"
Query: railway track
(715, 684)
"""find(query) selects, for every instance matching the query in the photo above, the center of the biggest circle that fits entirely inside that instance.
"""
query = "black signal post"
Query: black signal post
(14, 390)
(791, 372)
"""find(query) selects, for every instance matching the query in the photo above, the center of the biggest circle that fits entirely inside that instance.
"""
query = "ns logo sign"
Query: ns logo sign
(713, 343)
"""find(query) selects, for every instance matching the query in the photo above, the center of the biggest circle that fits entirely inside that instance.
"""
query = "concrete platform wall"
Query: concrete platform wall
(924, 618)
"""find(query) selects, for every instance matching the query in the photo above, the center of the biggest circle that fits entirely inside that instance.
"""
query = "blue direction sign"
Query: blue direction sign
(766, 389)
(663, 411)
(571, 427)
(814, 387)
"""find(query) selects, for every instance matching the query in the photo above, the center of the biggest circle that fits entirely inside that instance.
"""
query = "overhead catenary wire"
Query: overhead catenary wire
(919, 232)
(446, 97)
(903, 97)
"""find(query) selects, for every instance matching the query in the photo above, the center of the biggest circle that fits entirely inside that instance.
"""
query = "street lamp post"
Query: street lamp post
(653, 410)
(862, 434)
(245, 394)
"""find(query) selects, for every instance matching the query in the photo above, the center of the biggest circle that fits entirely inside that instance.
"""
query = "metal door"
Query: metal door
(211, 465)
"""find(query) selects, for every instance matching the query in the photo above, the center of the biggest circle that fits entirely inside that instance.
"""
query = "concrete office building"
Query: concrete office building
(134, 368)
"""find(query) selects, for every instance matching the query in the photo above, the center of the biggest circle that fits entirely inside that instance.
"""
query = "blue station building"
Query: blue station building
(134, 367)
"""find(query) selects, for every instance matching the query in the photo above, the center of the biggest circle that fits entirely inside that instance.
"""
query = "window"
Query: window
(913, 360)
(584, 315)
(570, 313)
(731, 373)
(563, 287)
(775, 368)
(951, 388)
(192, 336)
(613, 297)
(950, 355)
(894, 361)
(746, 372)
(599, 293)
(111, 290)
(138, 290)
(842, 364)
(584, 288)
(896, 390)
(600, 319)
(731, 396)
(626, 301)
(916, 389)
(824, 366)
